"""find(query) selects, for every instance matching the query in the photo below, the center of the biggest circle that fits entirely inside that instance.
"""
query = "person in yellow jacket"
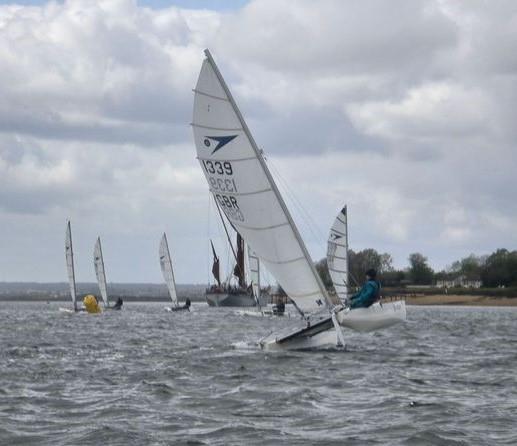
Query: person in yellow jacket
(91, 304)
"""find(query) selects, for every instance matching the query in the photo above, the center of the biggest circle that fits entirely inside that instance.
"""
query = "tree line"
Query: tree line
(498, 269)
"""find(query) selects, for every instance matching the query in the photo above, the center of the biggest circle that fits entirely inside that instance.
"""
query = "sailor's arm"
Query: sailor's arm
(367, 293)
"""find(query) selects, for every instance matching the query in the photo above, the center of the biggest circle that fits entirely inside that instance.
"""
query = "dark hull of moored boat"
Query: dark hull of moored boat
(242, 299)
(230, 300)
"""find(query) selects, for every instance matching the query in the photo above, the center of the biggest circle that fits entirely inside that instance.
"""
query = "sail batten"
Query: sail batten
(247, 193)
(233, 160)
(100, 273)
(340, 258)
(265, 228)
(223, 129)
(283, 262)
(337, 254)
(166, 267)
(343, 271)
(241, 194)
(209, 95)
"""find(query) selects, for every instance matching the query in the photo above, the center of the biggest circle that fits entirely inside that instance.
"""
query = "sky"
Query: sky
(403, 110)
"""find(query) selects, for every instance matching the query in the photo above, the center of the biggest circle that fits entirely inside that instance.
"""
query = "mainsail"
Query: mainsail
(69, 254)
(166, 265)
(254, 272)
(98, 262)
(337, 254)
(240, 180)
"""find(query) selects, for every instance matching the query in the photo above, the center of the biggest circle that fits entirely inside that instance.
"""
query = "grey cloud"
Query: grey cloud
(353, 37)
(129, 84)
(310, 131)
(403, 110)
(52, 125)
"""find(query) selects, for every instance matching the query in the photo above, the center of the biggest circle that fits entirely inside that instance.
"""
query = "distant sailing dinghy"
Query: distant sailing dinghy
(242, 184)
(100, 273)
(377, 316)
(69, 255)
(168, 275)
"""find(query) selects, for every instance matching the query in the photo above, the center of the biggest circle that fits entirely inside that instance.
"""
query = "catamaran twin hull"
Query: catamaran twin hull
(320, 332)
(239, 178)
(230, 300)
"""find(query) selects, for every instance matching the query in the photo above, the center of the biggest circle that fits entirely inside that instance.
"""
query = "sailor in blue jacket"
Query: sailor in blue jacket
(369, 292)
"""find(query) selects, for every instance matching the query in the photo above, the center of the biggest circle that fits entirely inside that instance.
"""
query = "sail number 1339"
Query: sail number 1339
(218, 167)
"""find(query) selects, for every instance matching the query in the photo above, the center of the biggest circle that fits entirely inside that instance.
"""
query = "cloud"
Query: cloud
(403, 110)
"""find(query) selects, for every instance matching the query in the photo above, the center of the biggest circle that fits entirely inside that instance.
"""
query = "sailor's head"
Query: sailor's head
(371, 274)
(187, 302)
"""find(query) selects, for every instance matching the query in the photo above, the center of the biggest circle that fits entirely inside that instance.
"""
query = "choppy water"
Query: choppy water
(143, 376)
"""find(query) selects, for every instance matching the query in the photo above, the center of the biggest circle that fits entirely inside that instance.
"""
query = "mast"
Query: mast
(328, 301)
(69, 255)
(347, 279)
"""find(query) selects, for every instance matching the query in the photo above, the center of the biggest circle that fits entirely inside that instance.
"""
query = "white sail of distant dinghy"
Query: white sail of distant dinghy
(254, 272)
(166, 266)
(100, 272)
(377, 316)
(168, 275)
(240, 181)
(69, 255)
(337, 255)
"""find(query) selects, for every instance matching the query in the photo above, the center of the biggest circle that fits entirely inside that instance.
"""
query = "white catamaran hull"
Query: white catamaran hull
(375, 317)
(321, 334)
(318, 334)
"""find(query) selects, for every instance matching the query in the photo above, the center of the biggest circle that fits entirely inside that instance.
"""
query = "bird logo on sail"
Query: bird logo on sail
(220, 140)
(335, 236)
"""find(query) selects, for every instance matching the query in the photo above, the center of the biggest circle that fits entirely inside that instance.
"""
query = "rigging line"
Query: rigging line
(353, 278)
(226, 252)
(308, 220)
(220, 235)
(208, 238)
(311, 221)
(226, 230)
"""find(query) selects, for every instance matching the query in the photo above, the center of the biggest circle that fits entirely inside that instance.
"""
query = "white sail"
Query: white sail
(337, 254)
(254, 272)
(166, 265)
(240, 180)
(98, 262)
(69, 255)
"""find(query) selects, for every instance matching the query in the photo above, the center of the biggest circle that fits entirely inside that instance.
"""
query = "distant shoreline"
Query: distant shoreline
(50, 299)
(418, 299)
(464, 300)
